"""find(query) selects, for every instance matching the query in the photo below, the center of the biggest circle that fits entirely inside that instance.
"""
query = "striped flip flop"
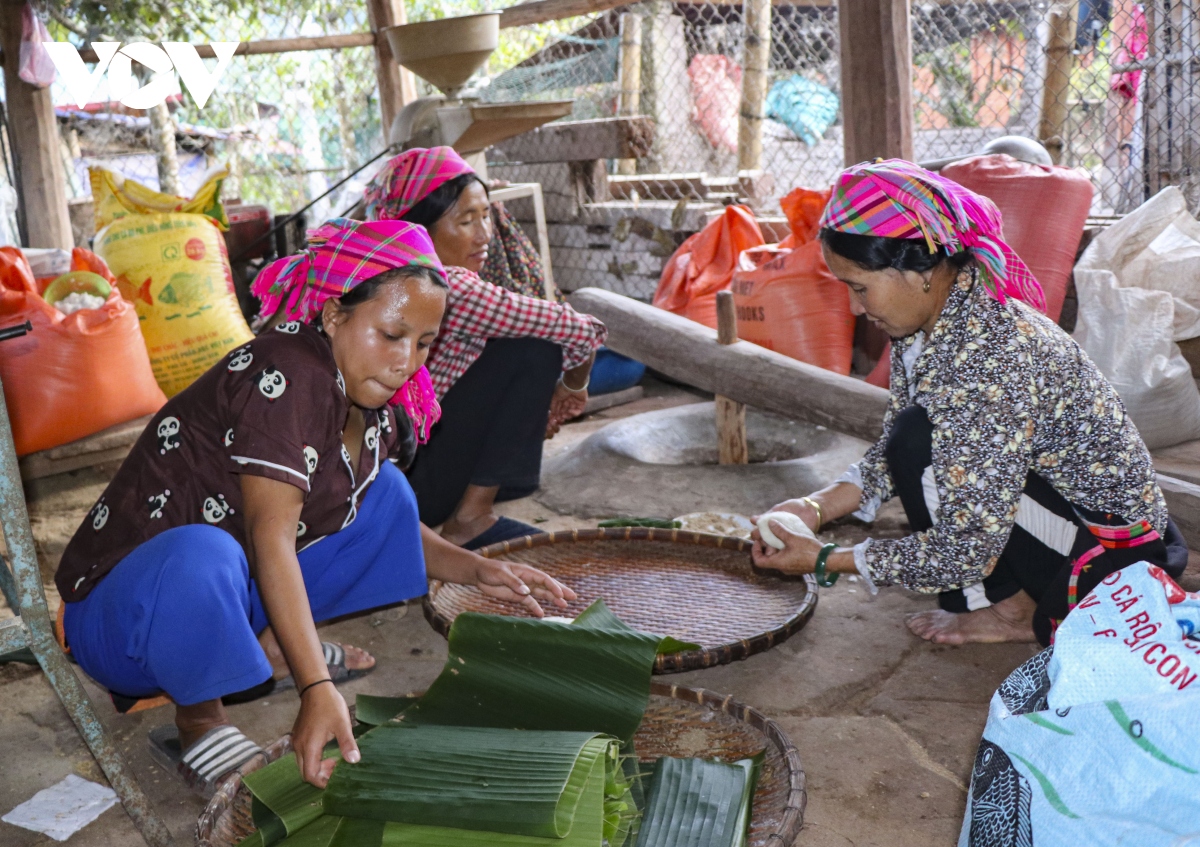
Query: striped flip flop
(217, 753)
(335, 659)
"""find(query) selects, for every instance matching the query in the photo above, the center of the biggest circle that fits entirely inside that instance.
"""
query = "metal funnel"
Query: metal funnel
(446, 52)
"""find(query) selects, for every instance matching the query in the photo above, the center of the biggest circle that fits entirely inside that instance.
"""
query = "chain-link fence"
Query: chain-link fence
(1109, 85)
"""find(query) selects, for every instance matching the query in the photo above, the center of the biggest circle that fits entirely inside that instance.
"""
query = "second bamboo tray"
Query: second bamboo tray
(679, 721)
(695, 587)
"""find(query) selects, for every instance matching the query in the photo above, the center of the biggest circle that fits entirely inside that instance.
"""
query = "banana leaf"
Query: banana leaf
(525, 783)
(699, 803)
(372, 710)
(519, 673)
(587, 826)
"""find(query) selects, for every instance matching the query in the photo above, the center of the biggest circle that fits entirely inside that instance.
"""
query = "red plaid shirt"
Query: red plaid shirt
(477, 311)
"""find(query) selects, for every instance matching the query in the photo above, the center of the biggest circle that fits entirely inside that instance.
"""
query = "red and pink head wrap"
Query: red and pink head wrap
(409, 178)
(342, 253)
(893, 198)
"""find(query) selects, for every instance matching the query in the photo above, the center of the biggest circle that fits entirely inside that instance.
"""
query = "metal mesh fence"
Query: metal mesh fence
(1109, 85)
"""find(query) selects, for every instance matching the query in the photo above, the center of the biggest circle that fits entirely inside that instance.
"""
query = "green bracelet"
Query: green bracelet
(824, 580)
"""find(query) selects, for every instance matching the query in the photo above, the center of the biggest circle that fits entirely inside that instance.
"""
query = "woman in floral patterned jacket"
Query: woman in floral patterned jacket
(1024, 480)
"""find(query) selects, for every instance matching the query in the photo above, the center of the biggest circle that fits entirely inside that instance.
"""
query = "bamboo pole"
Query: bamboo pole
(1056, 89)
(630, 77)
(756, 17)
(732, 448)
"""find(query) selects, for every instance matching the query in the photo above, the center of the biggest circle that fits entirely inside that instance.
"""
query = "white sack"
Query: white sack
(1127, 332)
(1157, 247)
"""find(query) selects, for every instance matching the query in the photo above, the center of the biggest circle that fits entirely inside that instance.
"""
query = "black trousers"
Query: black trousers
(492, 427)
(1039, 560)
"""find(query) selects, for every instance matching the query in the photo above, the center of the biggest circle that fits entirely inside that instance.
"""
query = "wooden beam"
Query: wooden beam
(541, 11)
(732, 448)
(36, 145)
(107, 445)
(876, 52)
(279, 45)
(1056, 88)
(629, 79)
(687, 351)
(756, 55)
(579, 141)
(396, 85)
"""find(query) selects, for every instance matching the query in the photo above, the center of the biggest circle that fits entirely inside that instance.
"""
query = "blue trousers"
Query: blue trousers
(181, 615)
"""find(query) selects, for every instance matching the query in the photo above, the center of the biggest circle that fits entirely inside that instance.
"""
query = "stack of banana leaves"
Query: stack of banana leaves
(524, 740)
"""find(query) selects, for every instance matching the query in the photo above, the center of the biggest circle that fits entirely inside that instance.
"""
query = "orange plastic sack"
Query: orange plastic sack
(787, 300)
(74, 375)
(1044, 208)
(704, 264)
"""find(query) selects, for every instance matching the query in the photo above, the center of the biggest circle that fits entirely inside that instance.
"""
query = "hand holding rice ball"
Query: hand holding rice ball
(793, 524)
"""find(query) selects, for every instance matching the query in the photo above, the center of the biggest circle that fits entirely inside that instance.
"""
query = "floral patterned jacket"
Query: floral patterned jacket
(1007, 391)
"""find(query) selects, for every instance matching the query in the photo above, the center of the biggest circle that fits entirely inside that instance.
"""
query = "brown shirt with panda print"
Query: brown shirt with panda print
(275, 407)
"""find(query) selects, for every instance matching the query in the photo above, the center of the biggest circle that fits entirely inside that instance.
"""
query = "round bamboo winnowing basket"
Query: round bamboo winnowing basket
(680, 722)
(695, 587)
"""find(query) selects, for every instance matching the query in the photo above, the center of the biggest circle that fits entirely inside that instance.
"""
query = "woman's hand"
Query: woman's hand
(564, 406)
(799, 553)
(517, 583)
(799, 507)
(323, 716)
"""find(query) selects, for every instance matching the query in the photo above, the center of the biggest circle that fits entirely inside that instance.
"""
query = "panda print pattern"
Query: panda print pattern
(168, 434)
(1000, 800)
(273, 408)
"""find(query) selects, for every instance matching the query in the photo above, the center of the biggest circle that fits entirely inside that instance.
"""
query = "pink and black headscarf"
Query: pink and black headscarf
(342, 253)
(892, 198)
(409, 178)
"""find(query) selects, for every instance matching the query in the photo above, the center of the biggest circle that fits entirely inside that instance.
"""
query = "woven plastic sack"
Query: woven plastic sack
(1157, 247)
(704, 264)
(1024, 193)
(73, 375)
(1127, 333)
(174, 268)
(716, 88)
(1093, 741)
(116, 197)
(788, 300)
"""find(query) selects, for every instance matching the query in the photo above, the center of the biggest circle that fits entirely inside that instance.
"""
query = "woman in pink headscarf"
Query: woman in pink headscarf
(508, 369)
(198, 573)
(1024, 480)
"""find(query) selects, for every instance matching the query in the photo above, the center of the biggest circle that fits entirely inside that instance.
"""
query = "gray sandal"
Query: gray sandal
(335, 659)
(203, 766)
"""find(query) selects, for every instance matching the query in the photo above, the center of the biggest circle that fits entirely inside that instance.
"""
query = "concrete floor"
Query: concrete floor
(886, 725)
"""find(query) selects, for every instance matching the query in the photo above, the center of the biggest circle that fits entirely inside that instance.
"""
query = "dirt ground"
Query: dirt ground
(886, 725)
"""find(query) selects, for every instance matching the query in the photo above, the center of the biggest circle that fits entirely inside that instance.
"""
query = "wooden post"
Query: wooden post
(630, 78)
(35, 143)
(732, 448)
(756, 58)
(397, 88)
(876, 53)
(162, 140)
(1056, 89)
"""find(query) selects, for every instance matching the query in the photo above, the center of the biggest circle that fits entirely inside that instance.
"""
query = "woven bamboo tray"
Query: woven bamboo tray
(683, 722)
(696, 587)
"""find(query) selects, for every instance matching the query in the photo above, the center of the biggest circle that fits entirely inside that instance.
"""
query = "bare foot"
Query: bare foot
(460, 532)
(1009, 620)
(357, 659)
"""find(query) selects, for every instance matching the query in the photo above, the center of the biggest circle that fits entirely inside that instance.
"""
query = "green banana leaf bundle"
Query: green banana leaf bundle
(518, 743)
(699, 803)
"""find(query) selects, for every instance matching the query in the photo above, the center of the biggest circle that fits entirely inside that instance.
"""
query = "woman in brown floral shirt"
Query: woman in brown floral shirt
(1023, 478)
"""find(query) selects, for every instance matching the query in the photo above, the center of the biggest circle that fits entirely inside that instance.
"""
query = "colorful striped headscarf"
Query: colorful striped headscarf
(893, 198)
(409, 178)
(342, 253)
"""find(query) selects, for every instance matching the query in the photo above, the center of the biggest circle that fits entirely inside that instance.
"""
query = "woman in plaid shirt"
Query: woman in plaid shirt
(508, 369)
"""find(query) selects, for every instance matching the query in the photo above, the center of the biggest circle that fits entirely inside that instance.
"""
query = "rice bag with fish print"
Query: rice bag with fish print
(1093, 740)
(174, 268)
